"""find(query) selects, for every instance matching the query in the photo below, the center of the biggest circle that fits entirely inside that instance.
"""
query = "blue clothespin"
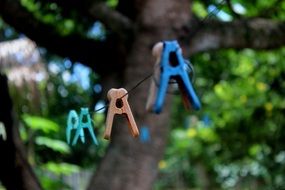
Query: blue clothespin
(144, 134)
(79, 125)
(172, 66)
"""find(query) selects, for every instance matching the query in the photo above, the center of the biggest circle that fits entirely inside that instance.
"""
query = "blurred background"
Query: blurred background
(236, 141)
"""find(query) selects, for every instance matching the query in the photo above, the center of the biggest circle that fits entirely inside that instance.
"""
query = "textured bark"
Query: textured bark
(130, 164)
(15, 171)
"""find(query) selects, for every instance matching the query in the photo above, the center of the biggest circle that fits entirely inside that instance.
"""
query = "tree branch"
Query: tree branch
(96, 54)
(114, 20)
(253, 33)
(119, 24)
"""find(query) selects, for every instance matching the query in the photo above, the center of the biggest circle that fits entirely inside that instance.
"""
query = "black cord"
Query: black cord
(139, 83)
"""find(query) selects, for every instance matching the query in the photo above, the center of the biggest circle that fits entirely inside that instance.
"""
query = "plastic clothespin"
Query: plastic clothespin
(156, 52)
(79, 125)
(118, 99)
(72, 123)
(172, 66)
(3, 131)
(144, 134)
(84, 112)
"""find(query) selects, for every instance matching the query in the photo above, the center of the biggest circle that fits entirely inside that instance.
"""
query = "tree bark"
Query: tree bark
(130, 164)
(15, 171)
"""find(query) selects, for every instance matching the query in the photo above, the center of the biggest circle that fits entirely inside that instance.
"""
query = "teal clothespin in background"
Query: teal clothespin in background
(79, 125)
(72, 123)
(3, 131)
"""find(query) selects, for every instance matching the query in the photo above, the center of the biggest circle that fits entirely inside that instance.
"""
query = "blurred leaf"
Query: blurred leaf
(199, 9)
(55, 145)
(40, 123)
(52, 183)
(23, 133)
(61, 168)
(112, 3)
(207, 134)
(255, 149)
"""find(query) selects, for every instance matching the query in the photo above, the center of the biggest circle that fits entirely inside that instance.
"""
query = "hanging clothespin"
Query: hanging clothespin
(156, 52)
(79, 125)
(72, 123)
(118, 99)
(3, 131)
(172, 66)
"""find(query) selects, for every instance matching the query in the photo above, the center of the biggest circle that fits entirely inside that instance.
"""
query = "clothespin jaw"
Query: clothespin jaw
(84, 112)
(118, 99)
(156, 52)
(3, 131)
(72, 123)
(172, 66)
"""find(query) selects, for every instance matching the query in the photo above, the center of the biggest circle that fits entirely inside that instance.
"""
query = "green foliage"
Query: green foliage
(51, 173)
(242, 145)
(43, 122)
(53, 15)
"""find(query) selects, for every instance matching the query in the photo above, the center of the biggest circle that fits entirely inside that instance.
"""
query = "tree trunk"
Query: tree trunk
(15, 171)
(130, 164)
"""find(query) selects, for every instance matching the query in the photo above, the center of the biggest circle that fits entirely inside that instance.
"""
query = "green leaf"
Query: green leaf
(112, 3)
(208, 135)
(40, 123)
(61, 168)
(199, 9)
(49, 183)
(53, 144)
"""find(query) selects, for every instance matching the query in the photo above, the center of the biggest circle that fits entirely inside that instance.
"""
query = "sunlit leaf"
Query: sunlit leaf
(40, 123)
(61, 168)
(112, 3)
(56, 145)
(199, 9)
